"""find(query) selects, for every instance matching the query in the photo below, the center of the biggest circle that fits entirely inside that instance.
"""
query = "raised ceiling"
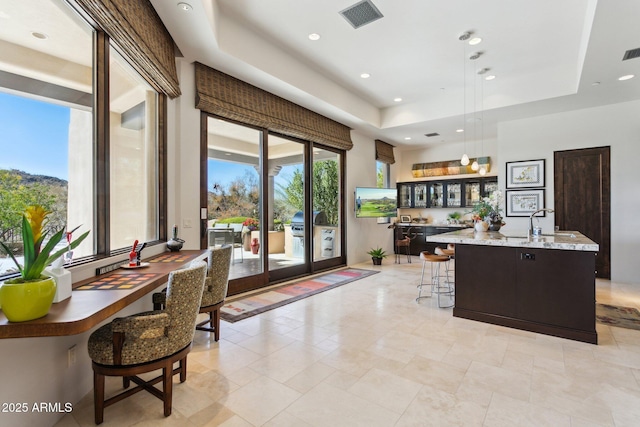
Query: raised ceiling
(547, 56)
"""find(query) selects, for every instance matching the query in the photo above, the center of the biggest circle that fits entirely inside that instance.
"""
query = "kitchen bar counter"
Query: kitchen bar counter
(562, 240)
(544, 285)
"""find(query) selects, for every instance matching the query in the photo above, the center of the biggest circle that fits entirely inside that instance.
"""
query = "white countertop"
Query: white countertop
(564, 240)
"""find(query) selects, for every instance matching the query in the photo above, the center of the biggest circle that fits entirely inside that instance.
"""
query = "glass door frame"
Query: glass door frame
(267, 277)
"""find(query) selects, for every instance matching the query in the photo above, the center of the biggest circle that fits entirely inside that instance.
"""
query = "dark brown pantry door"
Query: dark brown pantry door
(582, 193)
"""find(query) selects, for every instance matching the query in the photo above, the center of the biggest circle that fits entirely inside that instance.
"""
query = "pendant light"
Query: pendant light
(474, 165)
(483, 169)
(464, 161)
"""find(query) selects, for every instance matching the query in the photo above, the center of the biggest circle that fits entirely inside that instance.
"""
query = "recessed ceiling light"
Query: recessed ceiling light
(397, 99)
(314, 36)
(459, 130)
(227, 154)
(474, 41)
(595, 84)
(407, 138)
(627, 77)
(365, 75)
(490, 77)
(185, 6)
(40, 36)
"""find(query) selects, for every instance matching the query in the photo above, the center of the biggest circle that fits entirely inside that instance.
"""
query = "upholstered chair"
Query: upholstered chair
(149, 341)
(215, 289)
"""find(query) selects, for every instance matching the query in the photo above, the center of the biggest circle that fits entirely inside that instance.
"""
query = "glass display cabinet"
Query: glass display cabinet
(420, 196)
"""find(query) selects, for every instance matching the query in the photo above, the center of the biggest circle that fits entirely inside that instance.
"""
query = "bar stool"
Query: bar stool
(438, 285)
(403, 243)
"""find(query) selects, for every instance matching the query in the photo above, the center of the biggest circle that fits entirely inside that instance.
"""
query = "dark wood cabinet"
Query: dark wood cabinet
(418, 235)
(453, 193)
(549, 291)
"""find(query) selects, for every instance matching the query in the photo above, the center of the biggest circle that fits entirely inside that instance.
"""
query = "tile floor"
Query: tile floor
(366, 354)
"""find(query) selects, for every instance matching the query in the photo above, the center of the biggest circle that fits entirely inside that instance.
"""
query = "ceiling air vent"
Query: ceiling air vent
(361, 13)
(432, 134)
(630, 54)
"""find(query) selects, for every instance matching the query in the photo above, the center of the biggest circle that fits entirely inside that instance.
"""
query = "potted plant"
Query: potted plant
(376, 255)
(487, 213)
(30, 296)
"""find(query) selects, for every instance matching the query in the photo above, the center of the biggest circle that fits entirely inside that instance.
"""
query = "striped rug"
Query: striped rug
(260, 302)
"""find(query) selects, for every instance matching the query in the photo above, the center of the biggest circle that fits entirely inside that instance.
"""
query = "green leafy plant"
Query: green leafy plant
(377, 253)
(36, 257)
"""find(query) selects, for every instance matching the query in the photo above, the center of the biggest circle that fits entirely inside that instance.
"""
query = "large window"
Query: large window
(132, 155)
(59, 148)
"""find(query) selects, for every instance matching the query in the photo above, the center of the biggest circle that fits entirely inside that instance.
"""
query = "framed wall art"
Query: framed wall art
(524, 202)
(528, 173)
(405, 218)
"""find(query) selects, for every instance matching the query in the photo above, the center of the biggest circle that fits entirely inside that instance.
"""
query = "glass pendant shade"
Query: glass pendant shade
(475, 166)
(465, 160)
(482, 171)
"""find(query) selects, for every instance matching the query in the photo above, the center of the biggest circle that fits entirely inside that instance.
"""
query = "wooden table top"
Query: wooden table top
(87, 308)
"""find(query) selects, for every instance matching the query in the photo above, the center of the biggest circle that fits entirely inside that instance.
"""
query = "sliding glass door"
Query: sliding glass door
(277, 200)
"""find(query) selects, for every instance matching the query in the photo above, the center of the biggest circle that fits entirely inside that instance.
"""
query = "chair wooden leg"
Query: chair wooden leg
(215, 323)
(183, 369)
(126, 382)
(167, 387)
(98, 397)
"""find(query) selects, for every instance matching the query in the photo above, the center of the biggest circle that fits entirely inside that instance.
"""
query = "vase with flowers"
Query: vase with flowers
(487, 213)
(30, 295)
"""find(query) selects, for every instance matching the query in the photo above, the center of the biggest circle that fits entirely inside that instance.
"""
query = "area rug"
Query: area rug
(623, 317)
(260, 302)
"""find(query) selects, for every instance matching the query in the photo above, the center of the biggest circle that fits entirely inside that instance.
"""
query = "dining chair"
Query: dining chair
(149, 341)
(214, 292)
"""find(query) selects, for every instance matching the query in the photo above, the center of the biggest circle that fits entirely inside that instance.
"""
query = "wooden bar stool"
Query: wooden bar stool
(438, 284)
(403, 243)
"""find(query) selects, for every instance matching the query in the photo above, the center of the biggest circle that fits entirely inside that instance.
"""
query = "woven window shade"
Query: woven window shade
(137, 29)
(384, 152)
(220, 94)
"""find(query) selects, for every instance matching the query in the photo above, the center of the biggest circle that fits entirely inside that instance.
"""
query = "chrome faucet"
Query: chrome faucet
(531, 219)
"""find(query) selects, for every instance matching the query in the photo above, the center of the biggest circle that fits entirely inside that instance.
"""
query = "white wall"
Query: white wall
(617, 126)
(364, 233)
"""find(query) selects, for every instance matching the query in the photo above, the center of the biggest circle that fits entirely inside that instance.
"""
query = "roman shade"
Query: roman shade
(225, 96)
(384, 152)
(137, 29)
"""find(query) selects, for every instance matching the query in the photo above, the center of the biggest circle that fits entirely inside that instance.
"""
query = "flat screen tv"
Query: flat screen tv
(376, 202)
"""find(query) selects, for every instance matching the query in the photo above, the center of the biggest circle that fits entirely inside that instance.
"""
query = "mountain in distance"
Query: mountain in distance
(28, 178)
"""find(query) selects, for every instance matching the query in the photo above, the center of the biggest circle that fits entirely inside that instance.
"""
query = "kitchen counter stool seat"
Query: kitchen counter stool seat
(438, 284)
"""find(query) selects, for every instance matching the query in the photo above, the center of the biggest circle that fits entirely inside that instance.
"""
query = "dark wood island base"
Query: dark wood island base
(548, 291)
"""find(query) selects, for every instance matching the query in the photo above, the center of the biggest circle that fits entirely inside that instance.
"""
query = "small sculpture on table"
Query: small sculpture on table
(175, 244)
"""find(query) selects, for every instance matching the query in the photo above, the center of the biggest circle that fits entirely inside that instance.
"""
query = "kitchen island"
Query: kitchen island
(543, 284)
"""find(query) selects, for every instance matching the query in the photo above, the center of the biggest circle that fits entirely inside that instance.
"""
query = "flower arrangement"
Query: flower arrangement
(37, 257)
(488, 208)
(251, 224)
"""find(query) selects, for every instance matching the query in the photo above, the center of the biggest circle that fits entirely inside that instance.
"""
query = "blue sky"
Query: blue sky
(35, 139)
(35, 136)
(225, 172)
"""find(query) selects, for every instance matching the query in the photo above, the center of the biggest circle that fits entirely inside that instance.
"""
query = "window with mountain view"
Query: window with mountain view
(46, 117)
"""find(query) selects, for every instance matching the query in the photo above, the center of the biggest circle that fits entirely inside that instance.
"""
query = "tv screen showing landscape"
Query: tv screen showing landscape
(376, 202)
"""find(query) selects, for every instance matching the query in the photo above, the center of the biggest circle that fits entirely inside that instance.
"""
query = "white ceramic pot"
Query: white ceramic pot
(481, 226)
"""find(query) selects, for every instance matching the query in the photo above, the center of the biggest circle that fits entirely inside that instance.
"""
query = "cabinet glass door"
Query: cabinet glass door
(436, 194)
(404, 195)
(454, 195)
(420, 196)
(490, 187)
(471, 192)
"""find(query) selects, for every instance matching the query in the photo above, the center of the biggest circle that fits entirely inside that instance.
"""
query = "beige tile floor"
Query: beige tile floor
(366, 354)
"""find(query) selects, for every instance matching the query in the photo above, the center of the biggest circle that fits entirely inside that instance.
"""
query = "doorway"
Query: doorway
(582, 193)
(276, 199)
